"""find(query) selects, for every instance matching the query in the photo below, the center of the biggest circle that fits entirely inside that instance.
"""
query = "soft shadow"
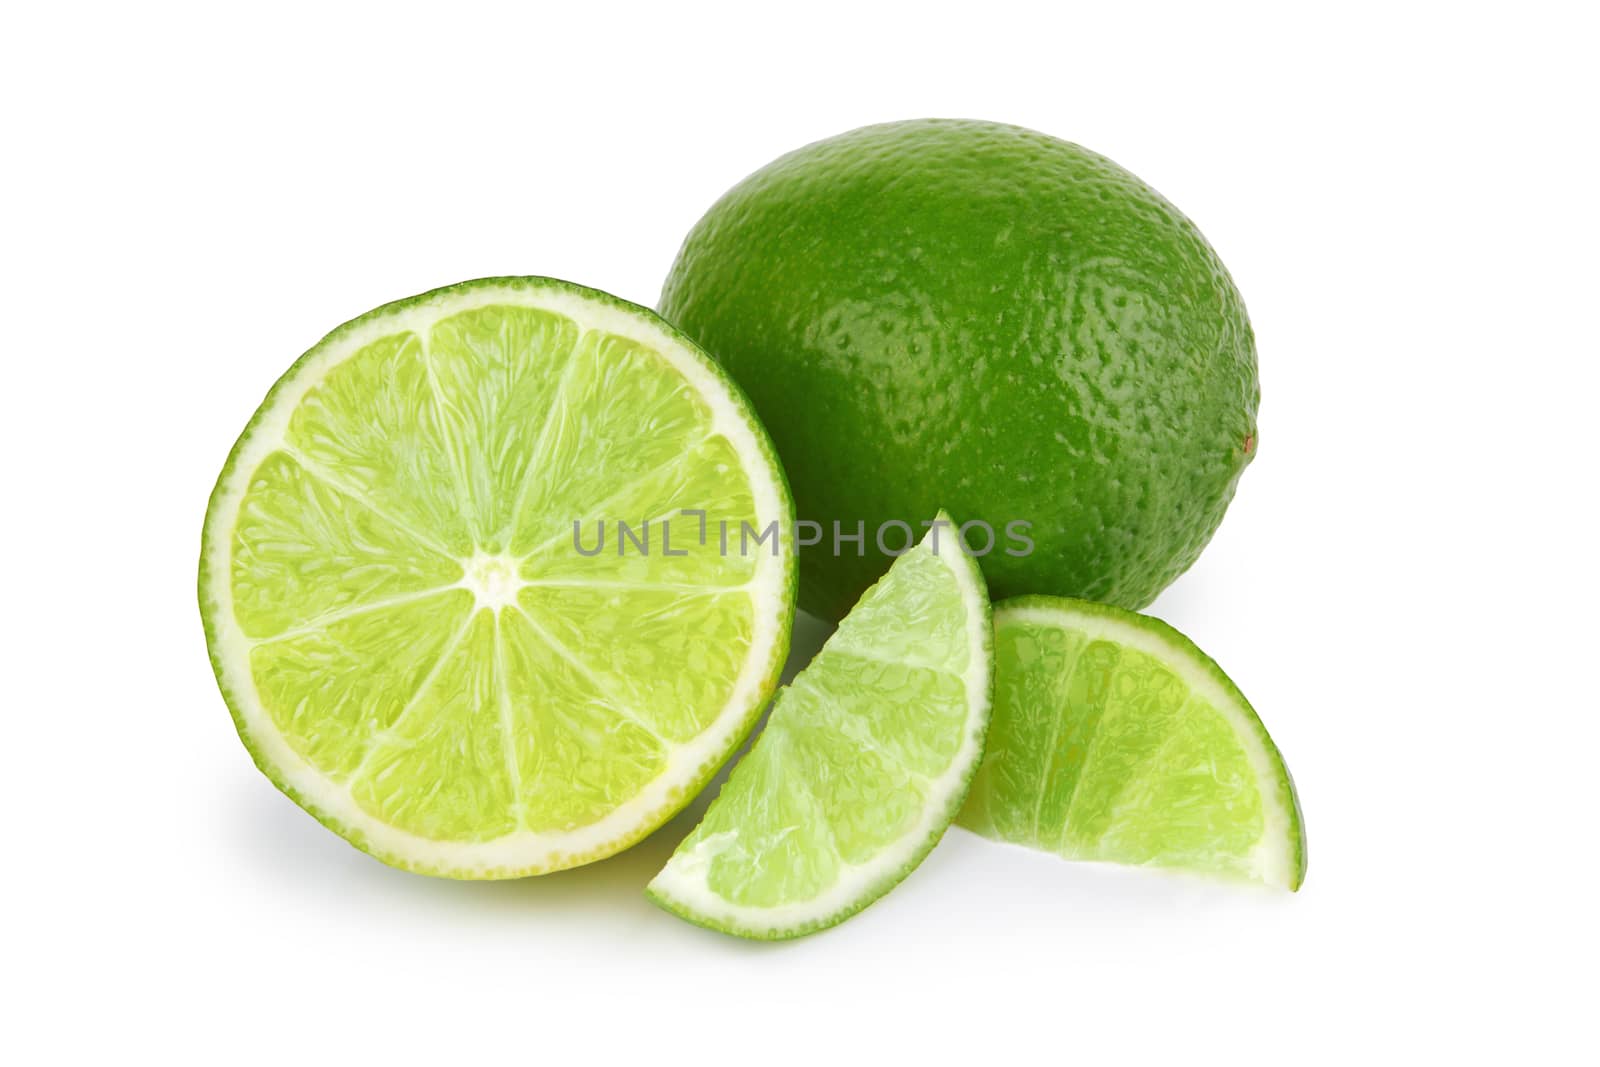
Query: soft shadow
(1037, 882)
(1186, 603)
(282, 845)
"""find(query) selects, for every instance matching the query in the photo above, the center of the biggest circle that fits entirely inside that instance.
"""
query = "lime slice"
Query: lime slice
(863, 763)
(1116, 739)
(414, 638)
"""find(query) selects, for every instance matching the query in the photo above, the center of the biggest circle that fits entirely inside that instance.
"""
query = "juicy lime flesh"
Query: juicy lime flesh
(860, 768)
(414, 617)
(931, 282)
(1112, 743)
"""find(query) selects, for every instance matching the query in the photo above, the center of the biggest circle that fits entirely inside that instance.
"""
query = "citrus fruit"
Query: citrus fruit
(982, 317)
(1115, 738)
(862, 766)
(415, 642)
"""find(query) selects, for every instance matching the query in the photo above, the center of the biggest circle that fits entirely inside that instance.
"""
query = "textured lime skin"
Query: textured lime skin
(974, 315)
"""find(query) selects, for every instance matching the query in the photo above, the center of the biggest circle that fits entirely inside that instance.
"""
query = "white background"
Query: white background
(1405, 586)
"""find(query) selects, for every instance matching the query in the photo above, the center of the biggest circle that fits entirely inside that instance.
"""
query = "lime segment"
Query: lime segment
(1116, 739)
(862, 766)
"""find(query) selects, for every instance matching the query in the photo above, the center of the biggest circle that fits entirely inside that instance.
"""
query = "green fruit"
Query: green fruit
(411, 644)
(984, 317)
(863, 764)
(1115, 738)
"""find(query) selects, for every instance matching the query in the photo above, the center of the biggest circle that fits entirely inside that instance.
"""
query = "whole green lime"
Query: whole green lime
(979, 317)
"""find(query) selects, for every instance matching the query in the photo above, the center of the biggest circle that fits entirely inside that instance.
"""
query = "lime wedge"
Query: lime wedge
(1116, 739)
(863, 764)
(418, 644)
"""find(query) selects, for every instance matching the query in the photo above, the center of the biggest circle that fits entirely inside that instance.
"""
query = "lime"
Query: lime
(863, 763)
(1116, 739)
(982, 317)
(404, 605)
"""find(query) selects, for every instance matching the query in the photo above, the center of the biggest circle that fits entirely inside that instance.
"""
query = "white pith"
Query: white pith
(683, 881)
(1271, 859)
(523, 851)
(493, 580)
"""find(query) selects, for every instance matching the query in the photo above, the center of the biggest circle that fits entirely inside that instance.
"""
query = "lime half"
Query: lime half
(862, 766)
(1116, 739)
(406, 608)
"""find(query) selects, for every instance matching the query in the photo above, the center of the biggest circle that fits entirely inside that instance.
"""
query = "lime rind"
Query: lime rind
(1278, 857)
(689, 766)
(682, 886)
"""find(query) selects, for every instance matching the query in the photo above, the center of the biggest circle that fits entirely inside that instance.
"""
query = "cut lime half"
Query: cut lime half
(404, 601)
(862, 766)
(1116, 739)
